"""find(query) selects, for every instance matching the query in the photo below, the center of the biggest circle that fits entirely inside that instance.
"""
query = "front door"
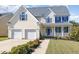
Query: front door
(49, 31)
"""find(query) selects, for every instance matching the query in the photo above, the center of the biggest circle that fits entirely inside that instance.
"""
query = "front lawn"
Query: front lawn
(3, 38)
(62, 47)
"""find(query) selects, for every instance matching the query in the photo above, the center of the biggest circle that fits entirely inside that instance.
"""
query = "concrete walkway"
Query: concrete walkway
(8, 44)
(42, 48)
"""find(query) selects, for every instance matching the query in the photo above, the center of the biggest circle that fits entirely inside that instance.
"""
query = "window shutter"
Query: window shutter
(20, 17)
(26, 16)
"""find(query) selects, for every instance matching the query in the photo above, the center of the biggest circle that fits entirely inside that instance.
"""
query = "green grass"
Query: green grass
(2, 38)
(63, 47)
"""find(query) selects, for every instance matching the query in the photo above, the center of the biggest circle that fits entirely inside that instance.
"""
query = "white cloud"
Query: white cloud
(10, 8)
(74, 18)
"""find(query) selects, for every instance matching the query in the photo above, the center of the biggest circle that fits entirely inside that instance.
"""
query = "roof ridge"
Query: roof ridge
(48, 6)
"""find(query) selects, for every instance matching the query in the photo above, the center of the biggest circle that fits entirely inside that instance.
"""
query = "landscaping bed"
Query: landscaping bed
(27, 48)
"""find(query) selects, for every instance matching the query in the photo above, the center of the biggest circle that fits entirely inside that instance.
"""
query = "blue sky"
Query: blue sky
(74, 12)
(74, 9)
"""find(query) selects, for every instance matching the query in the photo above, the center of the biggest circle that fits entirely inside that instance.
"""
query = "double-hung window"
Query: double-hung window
(23, 16)
(48, 20)
(57, 19)
(65, 29)
(58, 29)
(64, 18)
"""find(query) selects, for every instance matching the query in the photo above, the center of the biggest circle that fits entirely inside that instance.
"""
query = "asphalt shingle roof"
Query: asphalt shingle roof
(44, 11)
(39, 11)
(60, 10)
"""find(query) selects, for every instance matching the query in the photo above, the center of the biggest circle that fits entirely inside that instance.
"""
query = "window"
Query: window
(64, 18)
(57, 19)
(65, 29)
(48, 19)
(58, 29)
(23, 16)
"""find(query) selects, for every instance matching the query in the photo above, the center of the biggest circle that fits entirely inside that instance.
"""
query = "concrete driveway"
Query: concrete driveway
(8, 44)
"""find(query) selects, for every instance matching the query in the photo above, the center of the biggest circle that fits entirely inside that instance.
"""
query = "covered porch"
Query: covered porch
(49, 30)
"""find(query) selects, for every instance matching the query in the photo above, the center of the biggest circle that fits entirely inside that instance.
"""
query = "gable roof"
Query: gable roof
(32, 20)
(44, 11)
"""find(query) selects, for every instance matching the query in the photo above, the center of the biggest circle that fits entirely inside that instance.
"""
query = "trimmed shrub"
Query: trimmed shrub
(36, 43)
(21, 49)
(33, 44)
(25, 48)
(30, 44)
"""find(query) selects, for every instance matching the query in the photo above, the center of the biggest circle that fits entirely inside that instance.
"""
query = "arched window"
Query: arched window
(23, 16)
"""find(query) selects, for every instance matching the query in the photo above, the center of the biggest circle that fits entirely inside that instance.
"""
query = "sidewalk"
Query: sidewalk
(42, 48)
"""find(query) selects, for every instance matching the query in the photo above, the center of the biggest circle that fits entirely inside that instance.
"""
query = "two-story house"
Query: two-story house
(29, 23)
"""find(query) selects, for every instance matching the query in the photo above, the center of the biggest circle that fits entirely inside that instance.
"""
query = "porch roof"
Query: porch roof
(43, 25)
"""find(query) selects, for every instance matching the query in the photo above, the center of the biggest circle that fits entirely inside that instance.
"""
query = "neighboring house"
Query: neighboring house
(30, 23)
(4, 18)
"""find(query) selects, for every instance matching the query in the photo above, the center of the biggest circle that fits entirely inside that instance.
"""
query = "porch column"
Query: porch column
(62, 32)
(54, 32)
(37, 34)
(9, 33)
(69, 29)
(23, 33)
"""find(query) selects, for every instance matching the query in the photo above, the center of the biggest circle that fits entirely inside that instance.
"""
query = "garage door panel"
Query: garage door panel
(31, 35)
(17, 34)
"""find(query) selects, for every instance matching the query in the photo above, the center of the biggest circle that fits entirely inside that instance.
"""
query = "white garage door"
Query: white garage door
(17, 34)
(31, 35)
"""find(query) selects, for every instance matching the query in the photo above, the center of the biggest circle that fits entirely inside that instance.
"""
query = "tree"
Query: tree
(74, 34)
(74, 23)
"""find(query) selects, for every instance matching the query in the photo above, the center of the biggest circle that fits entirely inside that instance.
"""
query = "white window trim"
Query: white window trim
(21, 17)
